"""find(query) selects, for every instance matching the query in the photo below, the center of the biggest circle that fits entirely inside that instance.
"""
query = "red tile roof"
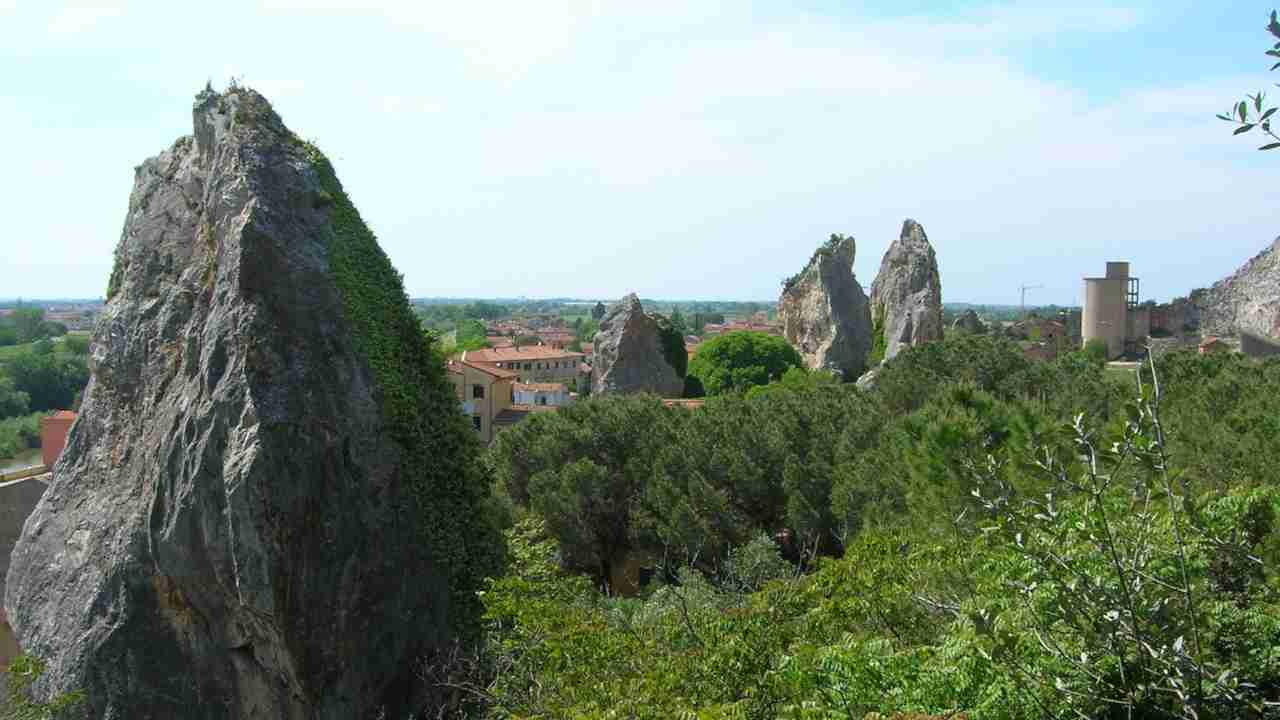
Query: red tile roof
(455, 366)
(523, 353)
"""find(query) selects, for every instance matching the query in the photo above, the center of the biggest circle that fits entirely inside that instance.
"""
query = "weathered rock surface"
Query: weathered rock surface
(629, 355)
(969, 322)
(240, 524)
(1246, 302)
(825, 314)
(906, 296)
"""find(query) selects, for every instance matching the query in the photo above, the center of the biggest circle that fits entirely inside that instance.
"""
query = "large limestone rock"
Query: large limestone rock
(906, 296)
(264, 506)
(629, 354)
(969, 322)
(1246, 302)
(825, 314)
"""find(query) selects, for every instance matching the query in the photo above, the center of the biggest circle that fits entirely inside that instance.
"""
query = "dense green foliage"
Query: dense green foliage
(739, 360)
(439, 460)
(19, 433)
(51, 380)
(879, 345)
(979, 534)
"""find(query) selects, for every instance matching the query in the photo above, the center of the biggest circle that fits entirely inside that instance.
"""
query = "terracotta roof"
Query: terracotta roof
(540, 387)
(523, 353)
(63, 415)
(588, 348)
(501, 374)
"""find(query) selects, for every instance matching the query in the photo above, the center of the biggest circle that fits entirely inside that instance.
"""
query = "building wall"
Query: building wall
(1255, 346)
(537, 371)
(558, 398)
(53, 437)
(1139, 323)
(17, 499)
(497, 397)
(1105, 314)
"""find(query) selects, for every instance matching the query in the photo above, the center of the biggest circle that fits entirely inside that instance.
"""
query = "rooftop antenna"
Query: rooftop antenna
(1023, 290)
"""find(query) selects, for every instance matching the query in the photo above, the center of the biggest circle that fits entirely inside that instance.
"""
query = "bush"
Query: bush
(739, 360)
(18, 434)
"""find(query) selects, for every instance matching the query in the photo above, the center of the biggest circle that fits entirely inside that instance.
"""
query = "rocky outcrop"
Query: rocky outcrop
(268, 505)
(906, 296)
(969, 322)
(1246, 302)
(632, 355)
(825, 314)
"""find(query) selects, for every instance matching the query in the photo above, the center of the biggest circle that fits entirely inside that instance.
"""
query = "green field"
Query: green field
(8, 352)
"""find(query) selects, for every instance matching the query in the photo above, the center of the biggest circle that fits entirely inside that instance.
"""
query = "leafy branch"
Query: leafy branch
(1239, 114)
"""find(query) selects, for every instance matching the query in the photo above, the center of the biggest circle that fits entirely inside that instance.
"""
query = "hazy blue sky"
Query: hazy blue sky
(674, 148)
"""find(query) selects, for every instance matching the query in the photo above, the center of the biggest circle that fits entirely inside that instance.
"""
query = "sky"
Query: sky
(675, 148)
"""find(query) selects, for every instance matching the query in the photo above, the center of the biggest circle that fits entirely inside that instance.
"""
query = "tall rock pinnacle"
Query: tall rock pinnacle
(825, 314)
(267, 507)
(906, 296)
(633, 353)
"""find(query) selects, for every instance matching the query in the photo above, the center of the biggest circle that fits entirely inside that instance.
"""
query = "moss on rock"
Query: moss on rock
(440, 461)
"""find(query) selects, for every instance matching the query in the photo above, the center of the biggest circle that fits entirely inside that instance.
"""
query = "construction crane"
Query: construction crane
(1022, 289)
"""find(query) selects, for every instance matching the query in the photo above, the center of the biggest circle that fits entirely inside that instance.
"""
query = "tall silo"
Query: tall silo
(1106, 304)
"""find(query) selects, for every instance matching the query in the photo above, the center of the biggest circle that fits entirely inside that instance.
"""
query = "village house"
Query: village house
(533, 363)
(1211, 345)
(552, 394)
(484, 393)
(756, 325)
(558, 339)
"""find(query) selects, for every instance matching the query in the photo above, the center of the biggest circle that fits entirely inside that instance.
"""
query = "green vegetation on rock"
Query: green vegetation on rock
(879, 345)
(439, 451)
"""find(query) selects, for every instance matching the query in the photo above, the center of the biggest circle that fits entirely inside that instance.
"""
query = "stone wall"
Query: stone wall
(17, 499)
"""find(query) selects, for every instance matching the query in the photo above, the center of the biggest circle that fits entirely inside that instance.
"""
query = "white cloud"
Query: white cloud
(685, 148)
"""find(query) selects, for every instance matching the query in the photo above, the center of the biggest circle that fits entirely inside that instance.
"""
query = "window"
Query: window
(477, 392)
(475, 420)
(542, 399)
(528, 366)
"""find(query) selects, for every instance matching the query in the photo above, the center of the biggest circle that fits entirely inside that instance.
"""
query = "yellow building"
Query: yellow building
(484, 392)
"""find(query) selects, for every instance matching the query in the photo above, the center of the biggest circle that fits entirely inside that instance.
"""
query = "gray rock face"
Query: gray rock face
(628, 354)
(969, 322)
(229, 532)
(1246, 302)
(906, 296)
(825, 314)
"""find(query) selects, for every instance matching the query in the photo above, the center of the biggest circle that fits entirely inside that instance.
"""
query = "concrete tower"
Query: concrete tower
(1109, 305)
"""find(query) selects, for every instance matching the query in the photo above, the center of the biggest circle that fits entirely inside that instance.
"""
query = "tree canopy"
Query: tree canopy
(742, 359)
